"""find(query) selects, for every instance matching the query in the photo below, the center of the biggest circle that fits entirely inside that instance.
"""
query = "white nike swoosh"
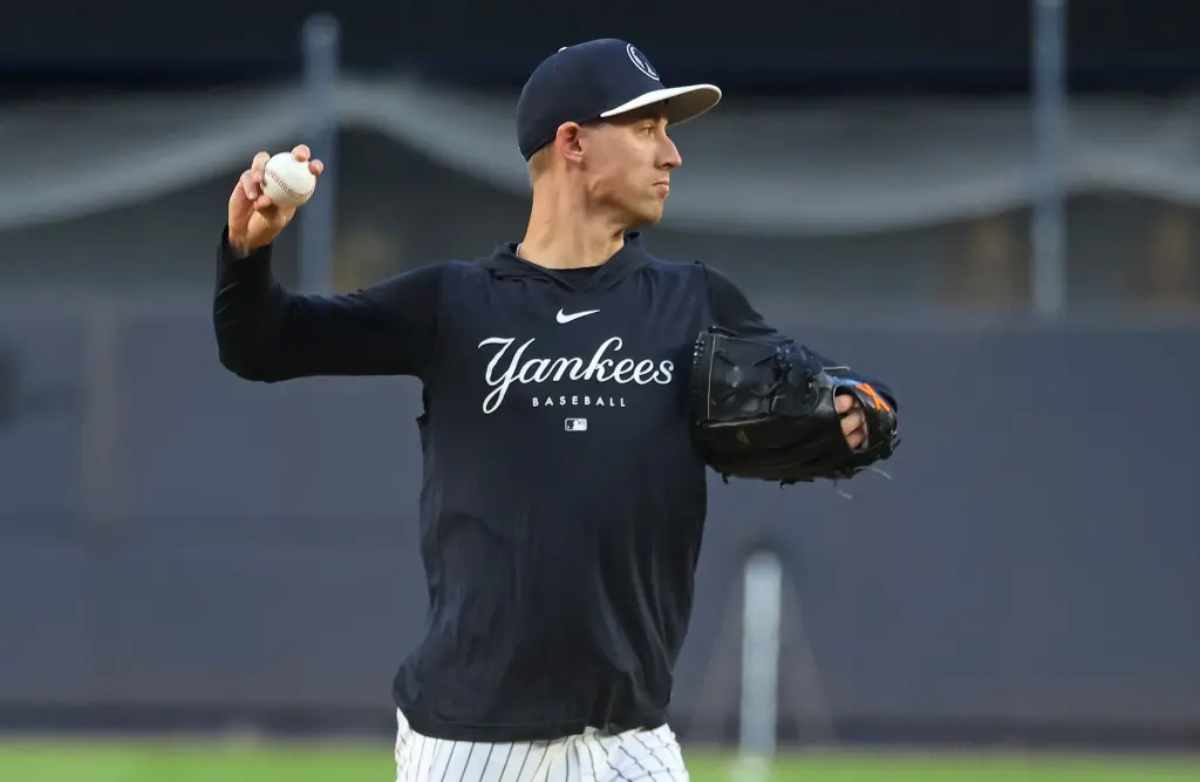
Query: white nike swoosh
(562, 317)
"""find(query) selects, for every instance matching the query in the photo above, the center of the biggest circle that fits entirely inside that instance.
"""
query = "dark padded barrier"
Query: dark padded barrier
(1033, 564)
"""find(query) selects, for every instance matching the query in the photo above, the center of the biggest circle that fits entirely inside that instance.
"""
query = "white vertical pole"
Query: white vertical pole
(1049, 124)
(321, 42)
(100, 469)
(760, 663)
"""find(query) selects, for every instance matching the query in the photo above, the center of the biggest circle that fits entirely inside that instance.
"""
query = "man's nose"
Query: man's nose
(670, 155)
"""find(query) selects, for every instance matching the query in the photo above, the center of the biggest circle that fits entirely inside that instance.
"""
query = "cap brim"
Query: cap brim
(685, 102)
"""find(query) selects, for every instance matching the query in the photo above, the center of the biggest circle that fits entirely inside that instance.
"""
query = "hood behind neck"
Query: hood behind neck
(506, 264)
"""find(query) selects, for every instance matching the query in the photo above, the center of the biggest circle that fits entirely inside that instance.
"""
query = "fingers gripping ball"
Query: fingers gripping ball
(287, 181)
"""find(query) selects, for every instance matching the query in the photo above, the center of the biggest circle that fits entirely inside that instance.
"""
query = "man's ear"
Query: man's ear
(568, 141)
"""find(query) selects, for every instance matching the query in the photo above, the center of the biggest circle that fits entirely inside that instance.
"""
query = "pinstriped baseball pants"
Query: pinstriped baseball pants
(591, 756)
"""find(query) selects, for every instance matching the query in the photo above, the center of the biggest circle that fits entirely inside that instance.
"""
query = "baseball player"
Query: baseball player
(563, 496)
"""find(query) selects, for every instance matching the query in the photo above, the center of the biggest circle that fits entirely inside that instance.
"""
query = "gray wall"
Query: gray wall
(172, 536)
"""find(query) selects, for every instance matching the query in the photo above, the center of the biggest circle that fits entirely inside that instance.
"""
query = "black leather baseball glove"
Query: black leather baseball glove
(765, 409)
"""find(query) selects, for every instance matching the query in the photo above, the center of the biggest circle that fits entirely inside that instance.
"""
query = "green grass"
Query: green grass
(200, 761)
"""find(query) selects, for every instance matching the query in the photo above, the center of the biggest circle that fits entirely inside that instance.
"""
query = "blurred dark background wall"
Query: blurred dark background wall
(182, 548)
(810, 46)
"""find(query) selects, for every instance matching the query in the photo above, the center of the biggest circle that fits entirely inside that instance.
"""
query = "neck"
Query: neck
(566, 232)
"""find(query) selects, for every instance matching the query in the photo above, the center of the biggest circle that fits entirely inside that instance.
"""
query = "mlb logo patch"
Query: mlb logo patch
(575, 424)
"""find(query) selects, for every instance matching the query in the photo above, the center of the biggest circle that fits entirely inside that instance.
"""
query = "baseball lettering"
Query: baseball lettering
(506, 368)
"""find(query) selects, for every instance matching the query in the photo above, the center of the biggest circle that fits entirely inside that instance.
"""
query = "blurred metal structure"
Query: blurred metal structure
(321, 42)
(760, 659)
(1049, 125)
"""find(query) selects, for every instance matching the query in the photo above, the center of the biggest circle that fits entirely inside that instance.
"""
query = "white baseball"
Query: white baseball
(287, 181)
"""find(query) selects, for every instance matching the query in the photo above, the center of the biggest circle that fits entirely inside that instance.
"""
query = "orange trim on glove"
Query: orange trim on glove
(877, 401)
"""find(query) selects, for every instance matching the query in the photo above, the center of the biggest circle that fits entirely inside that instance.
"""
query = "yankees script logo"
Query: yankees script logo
(519, 369)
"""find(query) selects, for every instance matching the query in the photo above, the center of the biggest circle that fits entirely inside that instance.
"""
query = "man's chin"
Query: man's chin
(650, 217)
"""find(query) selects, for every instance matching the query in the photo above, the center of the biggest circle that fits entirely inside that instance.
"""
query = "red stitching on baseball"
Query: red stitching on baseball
(277, 180)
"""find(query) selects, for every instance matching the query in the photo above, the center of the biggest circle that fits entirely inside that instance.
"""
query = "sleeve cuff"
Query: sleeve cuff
(259, 256)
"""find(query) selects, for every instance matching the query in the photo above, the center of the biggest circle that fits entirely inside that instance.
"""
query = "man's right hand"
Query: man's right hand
(254, 221)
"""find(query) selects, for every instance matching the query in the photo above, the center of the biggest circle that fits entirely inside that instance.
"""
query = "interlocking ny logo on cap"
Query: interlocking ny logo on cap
(640, 61)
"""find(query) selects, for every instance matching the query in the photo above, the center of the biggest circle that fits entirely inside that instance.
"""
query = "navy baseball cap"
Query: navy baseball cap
(596, 80)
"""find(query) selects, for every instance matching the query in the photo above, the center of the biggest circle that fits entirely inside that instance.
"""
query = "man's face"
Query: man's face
(628, 162)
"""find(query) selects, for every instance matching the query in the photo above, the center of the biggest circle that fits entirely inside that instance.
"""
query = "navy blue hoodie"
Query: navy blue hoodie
(562, 503)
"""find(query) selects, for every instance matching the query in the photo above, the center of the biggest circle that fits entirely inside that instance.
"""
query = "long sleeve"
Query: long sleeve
(266, 333)
(732, 310)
